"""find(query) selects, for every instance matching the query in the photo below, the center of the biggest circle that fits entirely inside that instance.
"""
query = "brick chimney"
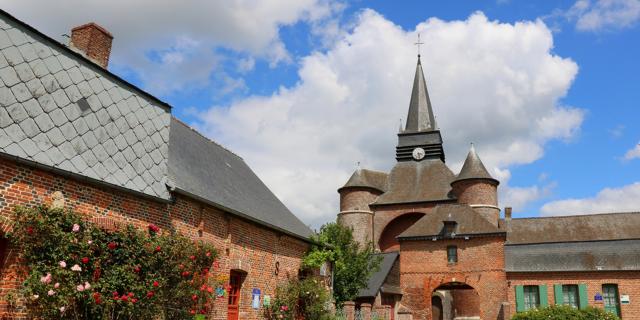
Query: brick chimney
(93, 41)
(507, 213)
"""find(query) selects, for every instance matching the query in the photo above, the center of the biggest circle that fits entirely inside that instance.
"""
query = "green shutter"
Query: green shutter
(519, 298)
(544, 301)
(557, 291)
(582, 295)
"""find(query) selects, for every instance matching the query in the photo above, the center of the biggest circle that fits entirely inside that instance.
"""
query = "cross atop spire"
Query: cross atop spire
(419, 44)
(420, 117)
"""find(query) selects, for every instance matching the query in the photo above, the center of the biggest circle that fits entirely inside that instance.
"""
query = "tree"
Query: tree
(352, 264)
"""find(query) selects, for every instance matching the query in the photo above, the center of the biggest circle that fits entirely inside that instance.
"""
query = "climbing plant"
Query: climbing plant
(76, 270)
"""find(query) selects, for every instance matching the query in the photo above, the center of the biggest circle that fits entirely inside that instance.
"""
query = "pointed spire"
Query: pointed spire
(420, 117)
(473, 168)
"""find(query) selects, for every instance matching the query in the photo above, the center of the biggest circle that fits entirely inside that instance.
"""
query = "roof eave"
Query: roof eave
(375, 204)
(457, 236)
(495, 181)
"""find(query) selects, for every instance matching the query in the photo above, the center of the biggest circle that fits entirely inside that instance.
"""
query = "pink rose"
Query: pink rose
(46, 279)
(62, 264)
(76, 227)
(76, 268)
(87, 286)
(80, 288)
(56, 285)
(51, 292)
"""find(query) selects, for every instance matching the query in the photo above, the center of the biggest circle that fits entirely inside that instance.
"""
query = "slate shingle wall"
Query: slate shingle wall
(65, 113)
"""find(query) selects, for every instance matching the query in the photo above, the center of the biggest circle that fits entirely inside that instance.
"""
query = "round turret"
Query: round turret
(362, 189)
(475, 186)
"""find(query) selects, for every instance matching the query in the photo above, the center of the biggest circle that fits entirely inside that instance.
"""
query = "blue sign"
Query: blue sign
(598, 297)
(255, 298)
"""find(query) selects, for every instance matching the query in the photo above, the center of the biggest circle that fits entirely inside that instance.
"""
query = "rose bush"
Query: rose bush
(75, 270)
(300, 299)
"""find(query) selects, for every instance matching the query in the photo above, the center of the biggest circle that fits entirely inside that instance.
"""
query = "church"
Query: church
(448, 252)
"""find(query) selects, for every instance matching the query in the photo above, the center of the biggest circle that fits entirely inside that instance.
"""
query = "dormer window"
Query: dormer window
(452, 254)
(449, 229)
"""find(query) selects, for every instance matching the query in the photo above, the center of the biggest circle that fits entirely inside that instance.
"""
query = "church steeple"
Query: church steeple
(421, 138)
(420, 117)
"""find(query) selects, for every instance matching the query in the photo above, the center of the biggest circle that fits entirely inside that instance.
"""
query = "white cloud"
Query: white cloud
(495, 84)
(181, 35)
(633, 153)
(626, 198)
(604, 14)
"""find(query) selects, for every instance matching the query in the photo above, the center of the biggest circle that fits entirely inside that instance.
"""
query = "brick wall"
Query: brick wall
(424, 267)
(479, 192)
(385, 214)
(356, 214)
(241, 244)
(628, 284)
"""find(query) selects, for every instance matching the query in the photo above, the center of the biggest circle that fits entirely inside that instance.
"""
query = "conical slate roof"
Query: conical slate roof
(365, 178)
(420, 117)
(473, 168)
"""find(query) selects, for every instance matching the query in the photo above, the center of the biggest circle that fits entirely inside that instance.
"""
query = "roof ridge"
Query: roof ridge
(375, 171)
(580, 215)
(205, 137)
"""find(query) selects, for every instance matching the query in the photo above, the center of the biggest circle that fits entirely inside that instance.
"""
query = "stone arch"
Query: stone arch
(459, 300)
(387, 241)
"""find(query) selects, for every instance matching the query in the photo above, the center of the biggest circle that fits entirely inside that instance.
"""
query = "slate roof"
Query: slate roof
(575, 256)
(473, 168)
(420, 116)
(62, 111)
(375, 282)
(199, 167)
(469, 223)
(593, 227)
(365, 178)
(417, 181)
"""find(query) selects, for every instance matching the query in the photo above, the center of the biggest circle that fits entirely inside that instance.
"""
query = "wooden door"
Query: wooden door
(234, 295)
(611, 298)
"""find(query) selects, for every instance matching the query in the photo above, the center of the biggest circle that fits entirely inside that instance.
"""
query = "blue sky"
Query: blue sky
(303, 90)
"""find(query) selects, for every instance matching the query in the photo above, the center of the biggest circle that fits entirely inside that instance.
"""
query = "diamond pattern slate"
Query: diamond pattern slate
(121, 139)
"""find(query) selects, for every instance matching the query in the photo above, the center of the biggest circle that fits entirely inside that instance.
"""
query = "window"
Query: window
(452, 254)
(611, 299)
(570, 295)
(531, 297)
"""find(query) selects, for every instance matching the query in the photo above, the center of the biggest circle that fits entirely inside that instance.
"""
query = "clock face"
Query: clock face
(418, 153)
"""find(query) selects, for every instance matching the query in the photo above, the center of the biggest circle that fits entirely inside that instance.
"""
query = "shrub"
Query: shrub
(565, 313)
(353, 264)
(76, 270)
(299, 299)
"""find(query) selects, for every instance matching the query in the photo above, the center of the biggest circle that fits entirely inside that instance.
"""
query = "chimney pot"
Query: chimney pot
(507, 213)
(93, 41)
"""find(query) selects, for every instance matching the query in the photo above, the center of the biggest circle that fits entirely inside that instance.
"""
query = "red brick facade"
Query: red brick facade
(424, 267)
(628, 283)
(242, 245)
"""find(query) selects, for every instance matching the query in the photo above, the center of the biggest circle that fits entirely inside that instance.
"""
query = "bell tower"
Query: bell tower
(420, 139)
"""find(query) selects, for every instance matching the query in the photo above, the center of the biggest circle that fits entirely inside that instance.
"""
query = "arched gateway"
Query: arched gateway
(455, 301)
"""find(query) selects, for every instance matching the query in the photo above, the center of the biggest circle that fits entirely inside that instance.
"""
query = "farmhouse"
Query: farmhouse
(73, 134)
